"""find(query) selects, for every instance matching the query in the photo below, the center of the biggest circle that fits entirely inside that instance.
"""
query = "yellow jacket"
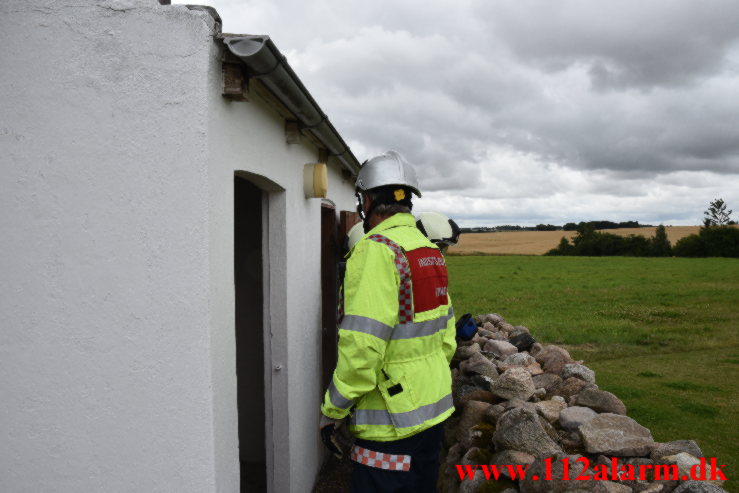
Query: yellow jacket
(396, 335)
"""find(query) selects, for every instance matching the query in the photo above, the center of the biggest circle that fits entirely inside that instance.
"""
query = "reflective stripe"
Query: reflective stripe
(337, 399)
(421, 329)
(402, 420)
(366, 325)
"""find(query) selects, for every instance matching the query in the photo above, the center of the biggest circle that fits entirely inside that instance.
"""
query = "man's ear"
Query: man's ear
(366, 202)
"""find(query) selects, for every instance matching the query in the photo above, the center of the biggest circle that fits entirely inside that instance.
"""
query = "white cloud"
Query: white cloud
(528, 112)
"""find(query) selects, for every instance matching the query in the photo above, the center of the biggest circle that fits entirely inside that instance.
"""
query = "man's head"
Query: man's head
(384, 187)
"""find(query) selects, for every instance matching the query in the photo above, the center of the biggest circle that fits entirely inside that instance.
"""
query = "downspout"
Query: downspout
(265, 62)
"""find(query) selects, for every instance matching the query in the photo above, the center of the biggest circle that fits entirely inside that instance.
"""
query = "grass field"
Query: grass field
(539, 242)
(661, 333)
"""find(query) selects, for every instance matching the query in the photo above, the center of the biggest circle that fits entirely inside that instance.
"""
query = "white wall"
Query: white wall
(104, 279)
(116, 280)
(249, 136)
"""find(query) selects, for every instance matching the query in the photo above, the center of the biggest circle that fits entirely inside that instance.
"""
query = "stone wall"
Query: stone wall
(523, 403)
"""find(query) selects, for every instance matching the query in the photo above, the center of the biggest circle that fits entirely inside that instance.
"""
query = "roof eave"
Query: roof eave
(264, 62)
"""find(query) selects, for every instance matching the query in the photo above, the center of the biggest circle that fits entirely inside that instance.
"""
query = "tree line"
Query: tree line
(718, 237)
(552, 227)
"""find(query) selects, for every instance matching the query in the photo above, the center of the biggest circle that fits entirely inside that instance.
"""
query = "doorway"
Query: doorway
(249, 300)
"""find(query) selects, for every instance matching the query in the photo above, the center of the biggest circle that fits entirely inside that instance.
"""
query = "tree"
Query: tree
(716, 215)
(660, 245)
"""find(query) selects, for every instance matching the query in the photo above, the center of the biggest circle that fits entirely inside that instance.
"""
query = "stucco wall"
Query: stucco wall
(116, 226)
(249, 136)
(105, 370)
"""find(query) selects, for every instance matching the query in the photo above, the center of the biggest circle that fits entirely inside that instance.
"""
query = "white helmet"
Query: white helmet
(387, 169)
(438, 228)
(354, 235)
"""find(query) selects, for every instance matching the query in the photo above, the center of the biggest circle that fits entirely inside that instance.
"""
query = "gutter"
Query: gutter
(265, 62)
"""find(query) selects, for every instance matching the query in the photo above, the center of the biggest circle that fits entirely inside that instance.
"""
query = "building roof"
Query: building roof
(264, 62)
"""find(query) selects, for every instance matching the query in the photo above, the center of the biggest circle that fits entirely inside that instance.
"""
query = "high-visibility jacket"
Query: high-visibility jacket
(396, 335)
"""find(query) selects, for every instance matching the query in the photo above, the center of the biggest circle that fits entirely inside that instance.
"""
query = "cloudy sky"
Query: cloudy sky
(527, 111)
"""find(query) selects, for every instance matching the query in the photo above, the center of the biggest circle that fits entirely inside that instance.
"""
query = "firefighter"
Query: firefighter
(439, 229)
(392, 383)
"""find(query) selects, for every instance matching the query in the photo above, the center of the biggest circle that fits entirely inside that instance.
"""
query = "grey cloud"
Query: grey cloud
(625, 43)
(527, 107)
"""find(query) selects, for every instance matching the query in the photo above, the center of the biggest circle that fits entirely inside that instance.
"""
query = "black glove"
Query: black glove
(329, 435)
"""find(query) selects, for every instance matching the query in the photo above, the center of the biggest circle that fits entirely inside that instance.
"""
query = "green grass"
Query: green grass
(661, 333)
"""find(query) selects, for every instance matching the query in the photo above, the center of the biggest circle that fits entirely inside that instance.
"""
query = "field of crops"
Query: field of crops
(661, 333)
(539, 242)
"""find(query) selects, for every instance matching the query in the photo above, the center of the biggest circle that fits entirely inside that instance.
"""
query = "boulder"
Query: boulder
(534, 368)
(465, 352)
(553, 358)
(475, 395)
(511, 457)
(472, 415)
(482, 381)
(519, 359)
(547, 381)
(578, 371)
(514, 403)
(698, 487)
(639, 484)
(650, 488)
(500, 349)
(536, 349)
(450, 433)
(611, 487)
(473, 485)
(522, 341)
(600, 401)
(499, 336)
(476, 455)
(493, 414)
(493, 318)
(478, 339)
(506, 327)
(515, 383)
(489, 327)
(479, 365)
(571, 441)
(570, 387)
(453, 457)
(479, 436)
(487, 333)
(550, 409)
(675, 447)
(572, 418)
(684, 462)
(538, 395)
(520, 429)
(614, 434)
(460, 393)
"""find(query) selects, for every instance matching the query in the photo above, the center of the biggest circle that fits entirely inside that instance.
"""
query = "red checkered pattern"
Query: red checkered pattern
(390, 462)
(405, 292)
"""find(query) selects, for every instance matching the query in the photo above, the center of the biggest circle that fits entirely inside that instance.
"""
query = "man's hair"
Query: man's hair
(384, 209)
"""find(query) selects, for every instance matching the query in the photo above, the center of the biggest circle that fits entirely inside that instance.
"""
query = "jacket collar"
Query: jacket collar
(399, 219)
